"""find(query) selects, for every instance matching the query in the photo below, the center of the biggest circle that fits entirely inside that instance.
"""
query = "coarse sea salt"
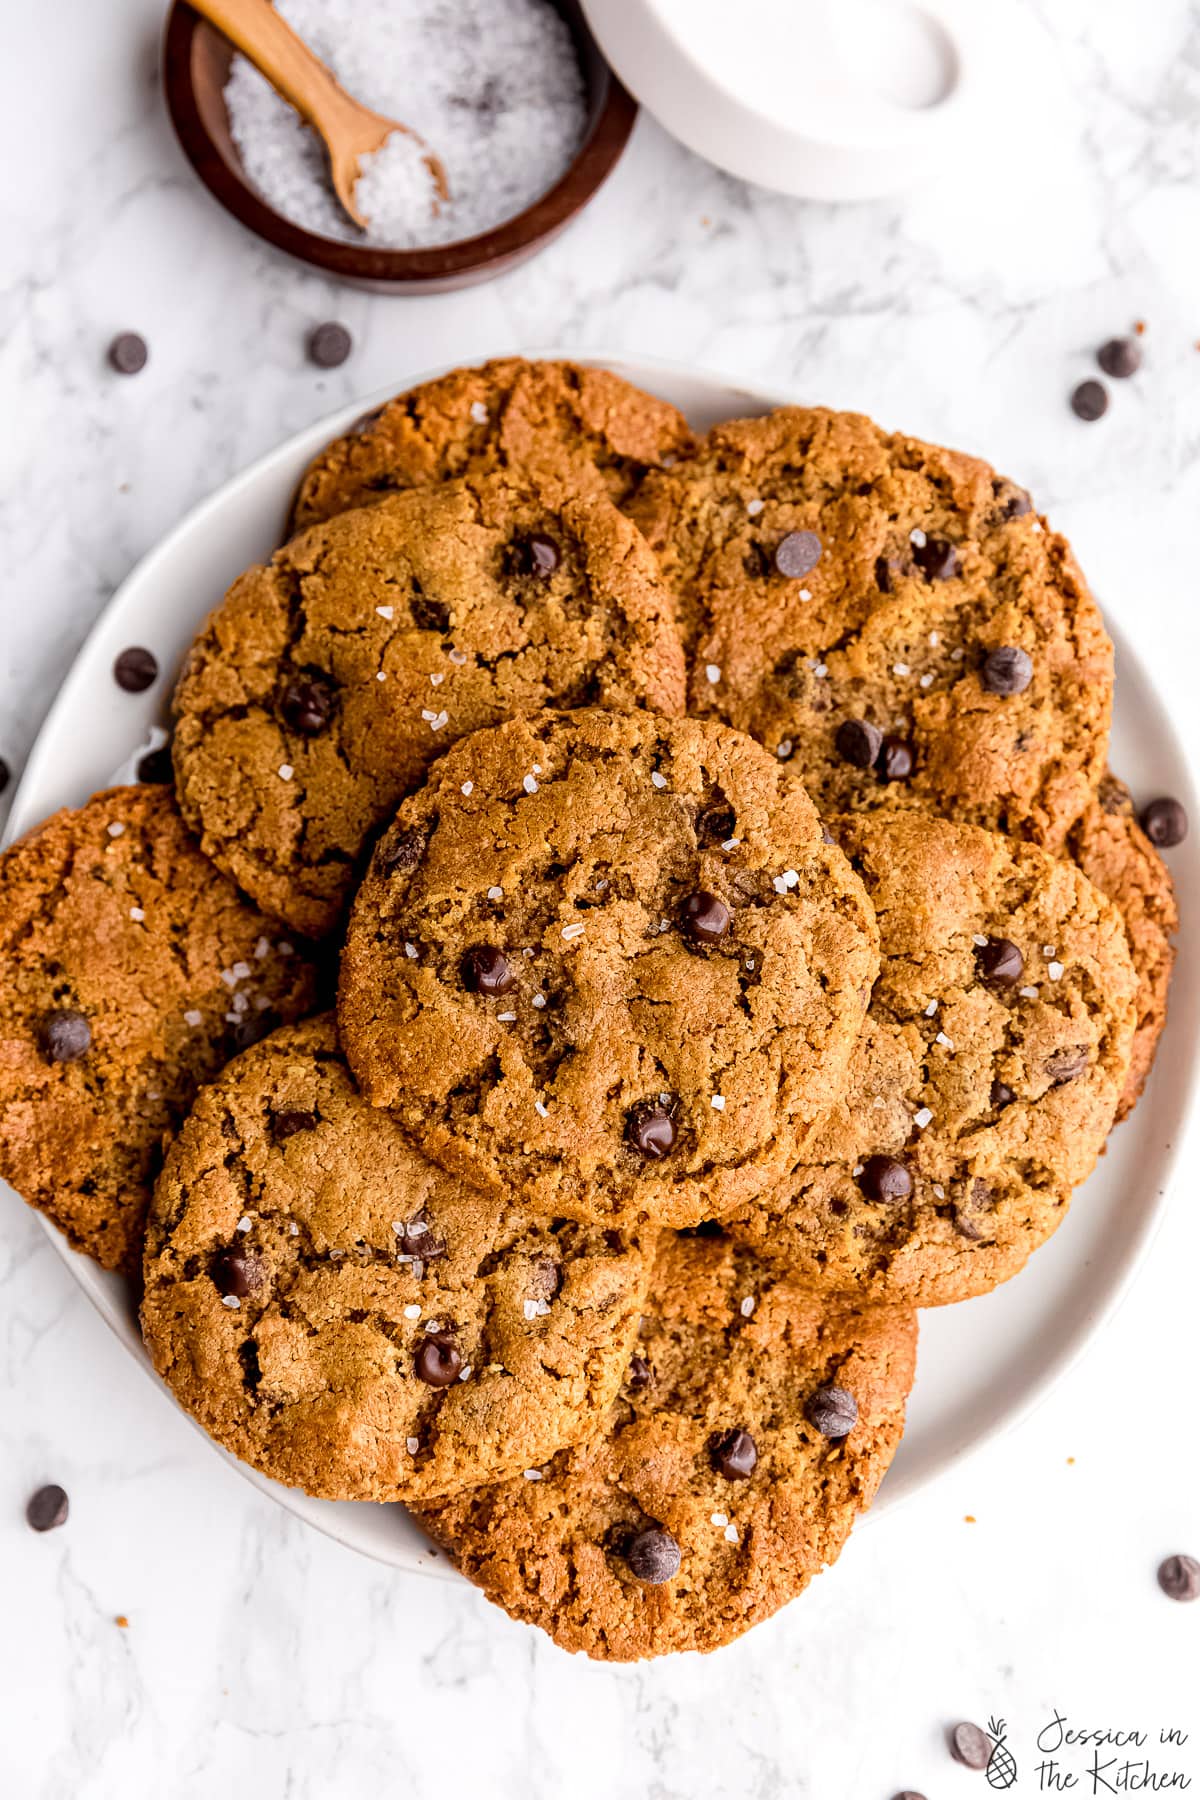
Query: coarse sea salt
(494, 87)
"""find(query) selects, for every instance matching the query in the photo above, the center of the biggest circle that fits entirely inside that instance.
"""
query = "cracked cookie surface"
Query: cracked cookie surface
(550, 420)
(132, 969)
(610, 961)
(351, 1320)
(890, 617)
(714, 1495)
(328, 680)
(985, 1082)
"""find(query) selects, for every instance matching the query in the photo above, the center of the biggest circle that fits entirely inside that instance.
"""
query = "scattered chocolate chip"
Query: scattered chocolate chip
(1090, 401)
(798, 554)
(128, 353)
(1008, 670)
(64, 1036)
(653, 1556)
(306, 701)
(541, 555)
(235, 1273)
(48, 1509)
(487, 971)
(1001, 1095)
(329, 344)
(909, 1794)
(970, 1746)
(884, 1179)
(135, 669)
(651, 1130)
(286, 1124)
(1120, 358)
(858, 742)
(156, 765)
(716, 823)
(1067, 1065)
(734, 1454)
(936, 558)
(1178, 1577)
(438, 1361)
(833, 1411)
(895, 761)
(1165, 823)
(401, 853)
(253, 1027)
(5, 774)
(640, 1375)
(999, 962)
(705, 918)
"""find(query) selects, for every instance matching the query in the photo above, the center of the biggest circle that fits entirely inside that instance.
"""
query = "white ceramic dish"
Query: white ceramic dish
(984, 1364)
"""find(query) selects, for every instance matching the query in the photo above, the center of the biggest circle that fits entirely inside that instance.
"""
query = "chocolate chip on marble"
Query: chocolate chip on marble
(1008, 670)
(706, 919)
(797, 554)
(1179, 1578)
(936, 558)
(1165, 823)
(486, 970)
(833, 1411)
(734, 1454)
(970, 1746)
(156, 765)
(1120, 357)
(1089, 401)
(438, 1362)
(653, 1556)
(639, 1375)
(401, 853)
(128, 353)
(884, 1179)
(1067, 1065)
(64, 1035)
(235, 1273)
(286, 1124)
(48, 1508)
(329, 344)
(999, 962)
(895, 760)
(909, 1794)
(1001, 1095)
(135, 669)
(306, 701)
(858, 742)
(651, 1130)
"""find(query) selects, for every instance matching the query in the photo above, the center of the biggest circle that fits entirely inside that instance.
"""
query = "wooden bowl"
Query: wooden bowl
(196, 61)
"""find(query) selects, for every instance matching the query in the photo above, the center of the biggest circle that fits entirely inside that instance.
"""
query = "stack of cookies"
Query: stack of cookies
(636, 919)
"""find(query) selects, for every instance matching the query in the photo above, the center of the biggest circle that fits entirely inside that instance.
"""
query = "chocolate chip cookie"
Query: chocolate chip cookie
(1115, 854)
(351, 1320)
(756, 1422)
(131, 970)
(995, 1052)
(326, 683)
(550, 420)
(609, 961)
(891, 619)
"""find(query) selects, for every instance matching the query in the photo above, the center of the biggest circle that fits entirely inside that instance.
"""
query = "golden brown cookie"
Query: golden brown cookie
(609, 961)
(130, 970)
(322, 688)
(337, 1311)
(755, 1425)
(983, 1087)
(1115, 854)
(546, 420)
(891, 619)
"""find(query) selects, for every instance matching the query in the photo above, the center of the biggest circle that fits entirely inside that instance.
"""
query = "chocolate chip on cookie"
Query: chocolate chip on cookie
(895, 760)
(833, 1410)
(859, 742)
(884, 1179)
(488, 971)
(735, 1455)
(651, 1130)
(1008, 670)
(653, 1556)
(306, 702)
(706, 920)
(235, 1274)
(438, 1361)
(64, 1036)
(797, 554)
(999, 961)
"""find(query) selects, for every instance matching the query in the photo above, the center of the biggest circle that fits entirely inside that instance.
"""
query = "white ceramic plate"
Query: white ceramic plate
(984, 1364)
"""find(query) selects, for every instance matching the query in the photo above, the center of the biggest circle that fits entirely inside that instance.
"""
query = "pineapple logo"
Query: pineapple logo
(1002, 1767)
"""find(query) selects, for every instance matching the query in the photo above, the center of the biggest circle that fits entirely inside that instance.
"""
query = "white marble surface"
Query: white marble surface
(259, 1658)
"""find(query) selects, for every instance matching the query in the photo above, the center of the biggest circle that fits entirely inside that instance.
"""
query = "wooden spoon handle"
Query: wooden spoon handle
(259, 32)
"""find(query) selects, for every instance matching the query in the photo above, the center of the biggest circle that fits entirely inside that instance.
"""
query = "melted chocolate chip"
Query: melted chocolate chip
(1067, 1065)
(417, 1239)
(438, 1361)
(885, 1180)
(1165, 823)
(1120, 358)
(128, 353)
(653, 1556)
(640, 1375)
(651, 1130)
(1090, 401)
(1008, 670)
(135, 669)
(833, 1411)
(48, 1508)
(306, 701)
(1179, 1578)
(286, 1124)
(541, 555)
(858, 742)
(401, 853)
(487, 971)
(936, 558)
(1001, 1095)
(716, 823)
(427, 614)
(896, 760)
(705, 918)
(64, 1036)
(236, 1273)
(734, 1454)
(329, 344)
(999, 962)
(797, 554)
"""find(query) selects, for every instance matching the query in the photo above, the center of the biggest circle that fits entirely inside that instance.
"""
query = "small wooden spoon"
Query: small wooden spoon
(349, 131)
